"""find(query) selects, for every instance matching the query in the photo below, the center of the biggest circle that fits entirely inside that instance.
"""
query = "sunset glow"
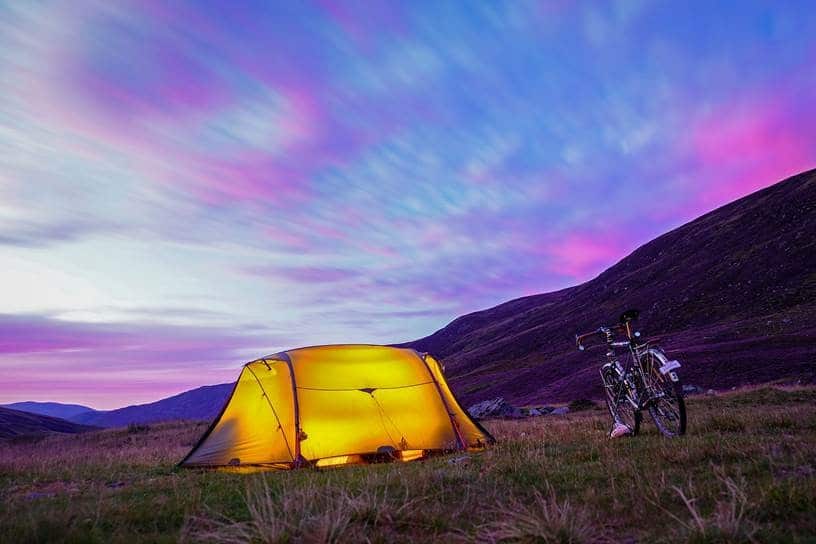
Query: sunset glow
(185, 187)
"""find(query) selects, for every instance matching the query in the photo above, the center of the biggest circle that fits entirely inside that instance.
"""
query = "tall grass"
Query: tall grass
(728, 521)
(309, 511)
(745, 473)
(544, 520)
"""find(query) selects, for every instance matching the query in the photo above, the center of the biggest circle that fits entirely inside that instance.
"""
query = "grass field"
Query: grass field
(745, 473)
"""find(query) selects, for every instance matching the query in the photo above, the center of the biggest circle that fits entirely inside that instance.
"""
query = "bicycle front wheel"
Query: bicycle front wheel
(617, 401)
(664, 394)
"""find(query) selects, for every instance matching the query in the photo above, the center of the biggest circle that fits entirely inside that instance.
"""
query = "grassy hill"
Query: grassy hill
(732, 294)
(746, 472)
(200, 404)
(53, 409)
(16, 424)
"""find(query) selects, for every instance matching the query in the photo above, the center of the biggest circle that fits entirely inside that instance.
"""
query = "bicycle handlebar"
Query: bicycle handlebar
(607, 332)
(604, 332)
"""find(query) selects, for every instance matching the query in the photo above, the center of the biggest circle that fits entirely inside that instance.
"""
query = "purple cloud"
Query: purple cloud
(55, 356)
(304, 274)
(356, 174)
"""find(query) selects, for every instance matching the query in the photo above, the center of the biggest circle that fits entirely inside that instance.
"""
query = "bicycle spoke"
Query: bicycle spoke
(670, 414)
(664, 402)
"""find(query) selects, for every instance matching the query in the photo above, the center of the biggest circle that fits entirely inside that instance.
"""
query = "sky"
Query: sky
(188, 186)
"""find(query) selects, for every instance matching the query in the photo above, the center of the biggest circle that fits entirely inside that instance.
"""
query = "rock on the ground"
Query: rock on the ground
(536, 411)
(486, 408)
(497, 407)
(689, 389)
(500, 408)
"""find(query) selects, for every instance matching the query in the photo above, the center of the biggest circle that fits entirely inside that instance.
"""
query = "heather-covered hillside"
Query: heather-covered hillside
(16, 424)
(732, 294)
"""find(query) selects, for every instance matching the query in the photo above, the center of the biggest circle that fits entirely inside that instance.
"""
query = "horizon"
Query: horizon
(186, 188)
(240, 364)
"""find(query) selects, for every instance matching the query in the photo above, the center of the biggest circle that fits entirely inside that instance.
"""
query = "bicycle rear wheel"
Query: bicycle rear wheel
(664, 395)
(617, 401)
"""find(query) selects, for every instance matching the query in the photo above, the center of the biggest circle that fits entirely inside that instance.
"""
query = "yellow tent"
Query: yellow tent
(336, 405)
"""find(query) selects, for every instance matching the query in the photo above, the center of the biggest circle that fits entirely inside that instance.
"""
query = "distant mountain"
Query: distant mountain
(732, 294)
(15, 424)
(53, 409)
(202, 403)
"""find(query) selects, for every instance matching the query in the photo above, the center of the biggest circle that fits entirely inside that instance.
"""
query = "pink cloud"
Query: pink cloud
(287, 239)
(46, 358)
(304, 274)
(142, 72)
(367, 22)
(582, 254)
(749, 145)
(150, 113)
(252, 177)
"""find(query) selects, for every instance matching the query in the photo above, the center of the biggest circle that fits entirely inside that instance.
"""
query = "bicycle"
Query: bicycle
(648, 380)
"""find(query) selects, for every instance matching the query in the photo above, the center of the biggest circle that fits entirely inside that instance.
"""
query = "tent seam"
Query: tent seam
(360, 389)
(459, 438)
(274, 412)
(288, 360)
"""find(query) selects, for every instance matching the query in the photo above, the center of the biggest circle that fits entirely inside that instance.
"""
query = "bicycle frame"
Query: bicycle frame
(646, 381)
(632, 367)
(631, 370)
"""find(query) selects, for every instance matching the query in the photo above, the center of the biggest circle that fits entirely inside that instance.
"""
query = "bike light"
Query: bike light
(637, 334)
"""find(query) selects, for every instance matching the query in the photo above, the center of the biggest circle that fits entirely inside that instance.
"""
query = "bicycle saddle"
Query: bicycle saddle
(629, 315)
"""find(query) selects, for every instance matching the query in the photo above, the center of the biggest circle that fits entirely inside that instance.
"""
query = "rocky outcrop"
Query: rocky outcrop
(499, 408)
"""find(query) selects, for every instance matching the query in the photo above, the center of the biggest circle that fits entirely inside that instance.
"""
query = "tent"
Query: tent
(337, 405)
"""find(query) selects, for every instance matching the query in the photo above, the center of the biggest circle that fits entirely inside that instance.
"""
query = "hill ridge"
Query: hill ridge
(53, 409)
(523, 348)
(685, 284)
(200, 403)
(18, 424)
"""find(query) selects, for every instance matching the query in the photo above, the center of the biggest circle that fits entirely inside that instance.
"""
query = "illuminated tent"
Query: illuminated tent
(337, 405)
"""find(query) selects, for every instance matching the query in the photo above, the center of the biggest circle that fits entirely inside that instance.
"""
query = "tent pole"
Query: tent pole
(299, 461)
(459, 439)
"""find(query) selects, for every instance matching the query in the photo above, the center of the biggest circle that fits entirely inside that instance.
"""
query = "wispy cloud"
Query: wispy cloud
(304, 274)
(183, 179)
(55, 356)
